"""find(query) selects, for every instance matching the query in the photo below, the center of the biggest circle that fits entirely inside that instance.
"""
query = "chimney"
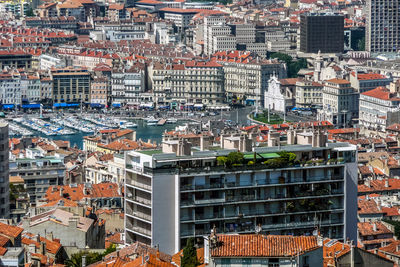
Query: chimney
(49, 236)
(202, 145)
(38, 238)
(61, 191)
(397, 248)
(43, 248)
(374, 227)
(386, 183)
(368, 183)
(73, 222)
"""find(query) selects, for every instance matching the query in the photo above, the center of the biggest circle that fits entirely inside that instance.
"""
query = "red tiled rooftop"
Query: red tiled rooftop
(367, 228)
(9, 230)
(263, 246)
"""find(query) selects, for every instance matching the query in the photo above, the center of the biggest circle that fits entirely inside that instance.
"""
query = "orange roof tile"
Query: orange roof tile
(9, 230)
(51, 246)
(382, 93)
(263, 246)
(367, 228)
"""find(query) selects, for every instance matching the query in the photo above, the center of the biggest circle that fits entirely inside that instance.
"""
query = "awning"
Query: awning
(147, 105)
(55, 160)
(198, 105)
(8, 106)
(65, 105)
(31, 106)
(262, 155)
(163, 107)
(270, 155)
(116, 105)
(96, 105)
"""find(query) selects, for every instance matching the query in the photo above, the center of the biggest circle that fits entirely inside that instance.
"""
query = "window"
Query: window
(273, 263)
(306, 261)
(225, 262)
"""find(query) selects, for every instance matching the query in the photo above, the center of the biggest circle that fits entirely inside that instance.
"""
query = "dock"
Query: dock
(161, 122)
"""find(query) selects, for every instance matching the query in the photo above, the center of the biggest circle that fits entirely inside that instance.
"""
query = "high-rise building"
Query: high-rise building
(321, 32)
(383, 26)
(170, 197)
(4, 177)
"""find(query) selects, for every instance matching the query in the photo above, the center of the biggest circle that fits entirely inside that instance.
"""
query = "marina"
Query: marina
(44, 127)
(74, 128)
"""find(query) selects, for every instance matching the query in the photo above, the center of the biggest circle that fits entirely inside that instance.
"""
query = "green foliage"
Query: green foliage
(396, 225)
(15, 190)
(189, 257)
(293, 67)
(288, 157)
(250, 163)
(91, 257)
(361, 44)
(275, 163)
(235, 158)
(222, 160)
(30, 13)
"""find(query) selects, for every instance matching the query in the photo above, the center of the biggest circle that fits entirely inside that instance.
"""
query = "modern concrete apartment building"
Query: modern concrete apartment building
(4, 180)
(38, 173)
(191, 193)
(382, 32)
(321, 32)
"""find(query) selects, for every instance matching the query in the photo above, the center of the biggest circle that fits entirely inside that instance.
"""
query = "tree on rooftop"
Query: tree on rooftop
(189, 257)
(30, 13)
(293, 67)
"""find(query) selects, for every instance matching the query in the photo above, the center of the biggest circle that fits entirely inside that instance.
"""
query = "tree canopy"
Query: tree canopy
(189, 257)
(293, 67)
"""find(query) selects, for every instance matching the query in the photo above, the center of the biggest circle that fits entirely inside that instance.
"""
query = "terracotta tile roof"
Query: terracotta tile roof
(391, 211)
(367, 228)
(365, 170)
(2, 251)
(379, 186)
(263, 246)
(63, 202)
(152, 261)
(3, 240)
(382, 93)
(51, 246)
(106, 157)
(9, 230)
(113, 239)
(289, 81)
(368, 76)
(333, 249)
(392, 248)
(368, 206)
(338, 81)
(124, 132)
(344, 131)
(138, 248)
(394, 127)
(80, 192)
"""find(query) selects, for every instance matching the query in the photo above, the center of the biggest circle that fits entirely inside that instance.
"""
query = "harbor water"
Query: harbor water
(143, 131)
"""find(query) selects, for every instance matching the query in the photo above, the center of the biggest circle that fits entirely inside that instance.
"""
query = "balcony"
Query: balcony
(263, 182)
(137, 184)
(140, 230)
(277, 226)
